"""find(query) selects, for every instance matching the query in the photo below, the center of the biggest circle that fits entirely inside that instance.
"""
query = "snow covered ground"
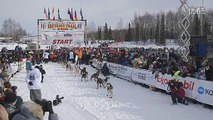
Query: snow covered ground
(82, 101)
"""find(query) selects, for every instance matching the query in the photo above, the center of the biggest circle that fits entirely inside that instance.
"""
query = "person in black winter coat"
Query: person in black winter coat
(105, 70)
(42, 72)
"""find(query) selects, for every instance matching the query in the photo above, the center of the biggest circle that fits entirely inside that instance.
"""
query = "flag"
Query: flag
(81, 13)
(53, 14)
(45, 13)
(68, 12)
(71, 14)
(76, 16)
(48, 13)
(59, 17)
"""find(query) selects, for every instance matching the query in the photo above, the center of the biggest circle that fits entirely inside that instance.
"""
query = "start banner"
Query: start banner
(60, 32)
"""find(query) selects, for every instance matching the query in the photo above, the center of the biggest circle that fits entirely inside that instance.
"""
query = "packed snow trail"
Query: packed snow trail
(82, 101)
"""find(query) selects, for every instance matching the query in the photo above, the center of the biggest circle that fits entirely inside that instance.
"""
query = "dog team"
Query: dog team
(100, 82)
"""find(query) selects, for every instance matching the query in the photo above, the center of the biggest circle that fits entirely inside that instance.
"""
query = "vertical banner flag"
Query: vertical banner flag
(68, 12)
(71, 15)
(48, 13)
(59, 17)
(75, 16)
(45, 13)
(81, 13)
(53, 14)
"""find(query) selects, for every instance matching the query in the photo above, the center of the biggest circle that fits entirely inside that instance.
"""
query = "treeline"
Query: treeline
(11, 28)
(156, 27)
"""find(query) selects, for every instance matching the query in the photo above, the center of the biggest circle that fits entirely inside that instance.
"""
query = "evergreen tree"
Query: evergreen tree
(110, 34)
(172, 33)
(206, 28)
(196, 25)
(129, 34)
(137, 32)
(162, 30)
(99, 33)
(157, 33)
(106, 32)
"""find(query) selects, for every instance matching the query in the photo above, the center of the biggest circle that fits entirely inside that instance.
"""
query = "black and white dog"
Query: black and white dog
(95, 75)
(102, 82)
(84, 74)
(109, 90)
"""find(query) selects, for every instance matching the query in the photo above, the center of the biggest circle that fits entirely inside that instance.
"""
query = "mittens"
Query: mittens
(30, 83)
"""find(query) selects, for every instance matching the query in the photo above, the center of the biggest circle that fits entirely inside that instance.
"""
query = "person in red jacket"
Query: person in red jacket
(181, 95)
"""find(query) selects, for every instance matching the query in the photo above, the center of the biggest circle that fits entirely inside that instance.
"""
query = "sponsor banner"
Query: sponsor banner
(162, 80)
(204, 92)
(143, 76)
(199, 90)
(120, 71)
(189, 85)
(46, 25)
(112, 68)
(63, 32)
(124, 72)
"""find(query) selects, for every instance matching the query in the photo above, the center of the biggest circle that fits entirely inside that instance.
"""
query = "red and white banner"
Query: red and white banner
(60, 32)
(199, 90)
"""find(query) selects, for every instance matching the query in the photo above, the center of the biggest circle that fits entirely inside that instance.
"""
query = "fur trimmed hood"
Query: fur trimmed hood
(30, 111)
(34, 108)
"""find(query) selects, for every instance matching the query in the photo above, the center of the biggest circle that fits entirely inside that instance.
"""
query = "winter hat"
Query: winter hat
(10, 97)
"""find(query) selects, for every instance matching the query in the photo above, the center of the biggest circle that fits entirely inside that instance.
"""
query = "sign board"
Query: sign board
(60, 32)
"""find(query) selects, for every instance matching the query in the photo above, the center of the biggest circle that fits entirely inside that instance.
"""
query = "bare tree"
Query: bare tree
(10, 28)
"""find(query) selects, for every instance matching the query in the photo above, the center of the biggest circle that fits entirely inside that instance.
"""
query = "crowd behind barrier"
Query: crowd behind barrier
(196, 89)
(152, 67)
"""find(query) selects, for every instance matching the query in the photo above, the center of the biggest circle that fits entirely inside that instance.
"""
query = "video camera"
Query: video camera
(57, 100)
(45, 104)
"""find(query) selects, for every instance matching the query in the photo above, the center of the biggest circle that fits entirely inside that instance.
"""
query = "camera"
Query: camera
(57, 100)
(45, 104)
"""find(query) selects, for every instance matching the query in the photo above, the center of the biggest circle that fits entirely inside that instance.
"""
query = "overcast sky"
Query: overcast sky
(26, 12)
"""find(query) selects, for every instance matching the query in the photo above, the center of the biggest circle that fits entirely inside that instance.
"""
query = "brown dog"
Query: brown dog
(95, 75)
(102, 82)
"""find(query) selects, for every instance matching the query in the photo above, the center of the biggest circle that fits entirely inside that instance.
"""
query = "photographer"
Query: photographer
(177, 92)
(173, 90)
(35, 110)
